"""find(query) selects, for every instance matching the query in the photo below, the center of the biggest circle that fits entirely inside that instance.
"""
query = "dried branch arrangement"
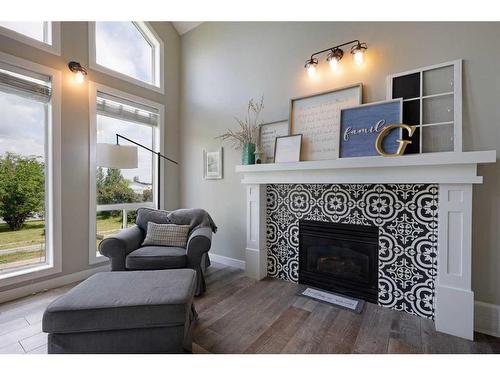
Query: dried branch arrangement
(248, 131)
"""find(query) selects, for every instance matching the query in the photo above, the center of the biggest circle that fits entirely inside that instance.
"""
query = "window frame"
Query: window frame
(53, 226)
(457, 99)
(157, 45)
(54, 47)
(159, 141)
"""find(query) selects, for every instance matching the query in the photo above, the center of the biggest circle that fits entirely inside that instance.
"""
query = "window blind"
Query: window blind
(17, 81)
(123, 109)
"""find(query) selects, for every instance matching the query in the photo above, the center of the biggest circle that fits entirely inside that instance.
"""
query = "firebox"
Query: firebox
(341, 258)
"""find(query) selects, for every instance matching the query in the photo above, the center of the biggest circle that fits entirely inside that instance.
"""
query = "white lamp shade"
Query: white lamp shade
(116, 156)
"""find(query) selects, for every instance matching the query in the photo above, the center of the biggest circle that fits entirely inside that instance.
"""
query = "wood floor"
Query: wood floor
(240, 315)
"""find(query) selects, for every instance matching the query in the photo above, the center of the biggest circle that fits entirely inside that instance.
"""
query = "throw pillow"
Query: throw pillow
(166, 235)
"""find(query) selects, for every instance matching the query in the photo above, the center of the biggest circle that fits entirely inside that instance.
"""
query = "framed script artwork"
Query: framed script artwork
(361, 125)
(317, 118)
(287, 149)
(267, 137)
(212, 164)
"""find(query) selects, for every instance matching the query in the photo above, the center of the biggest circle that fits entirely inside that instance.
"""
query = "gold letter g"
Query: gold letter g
(402, 142)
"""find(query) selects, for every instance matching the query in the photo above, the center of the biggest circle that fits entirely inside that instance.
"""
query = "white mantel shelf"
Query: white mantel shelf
(443, 167)
(455, 172)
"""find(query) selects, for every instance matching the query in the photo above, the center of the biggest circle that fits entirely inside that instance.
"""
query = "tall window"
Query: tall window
(129, 50)
(40, 34)
(118, 193)
(26, 171)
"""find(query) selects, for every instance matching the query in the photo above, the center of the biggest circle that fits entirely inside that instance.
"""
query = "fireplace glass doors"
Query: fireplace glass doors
(341, 258)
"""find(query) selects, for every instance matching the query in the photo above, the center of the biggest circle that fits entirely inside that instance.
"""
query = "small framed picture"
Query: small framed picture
(212, 164)
(267, 137)
(287, 149)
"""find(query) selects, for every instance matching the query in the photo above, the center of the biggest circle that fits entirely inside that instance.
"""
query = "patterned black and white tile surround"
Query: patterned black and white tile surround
(406, 215)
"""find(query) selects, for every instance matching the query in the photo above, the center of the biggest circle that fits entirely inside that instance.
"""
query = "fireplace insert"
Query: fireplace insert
(341, 258)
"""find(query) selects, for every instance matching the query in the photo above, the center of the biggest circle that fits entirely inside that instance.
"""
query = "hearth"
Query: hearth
(341, 258)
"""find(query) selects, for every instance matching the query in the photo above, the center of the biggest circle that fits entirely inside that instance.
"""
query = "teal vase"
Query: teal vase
(248, 154)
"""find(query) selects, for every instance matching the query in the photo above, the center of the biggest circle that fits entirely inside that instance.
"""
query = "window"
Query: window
(29, 170)
(117, 193)
(432, 101)
(128, 50)
(43, 34)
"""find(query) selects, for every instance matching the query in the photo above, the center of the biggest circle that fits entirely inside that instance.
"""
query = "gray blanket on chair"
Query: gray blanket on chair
(194, 217)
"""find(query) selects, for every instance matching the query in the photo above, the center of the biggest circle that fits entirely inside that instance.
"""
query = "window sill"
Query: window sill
(113, 73)
(27, 274)
(54, 48)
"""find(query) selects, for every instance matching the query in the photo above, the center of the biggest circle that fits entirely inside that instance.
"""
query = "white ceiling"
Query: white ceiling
(184, 27)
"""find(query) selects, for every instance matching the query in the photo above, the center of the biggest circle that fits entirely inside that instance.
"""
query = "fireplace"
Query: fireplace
(340, 258)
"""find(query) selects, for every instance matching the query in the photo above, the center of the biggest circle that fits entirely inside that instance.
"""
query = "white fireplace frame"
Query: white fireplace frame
(455, 172)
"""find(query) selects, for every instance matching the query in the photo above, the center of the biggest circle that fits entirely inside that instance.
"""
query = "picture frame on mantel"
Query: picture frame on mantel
(361, 125)
(287, 148)
(212, 164)
(317, 118)
(268, 132)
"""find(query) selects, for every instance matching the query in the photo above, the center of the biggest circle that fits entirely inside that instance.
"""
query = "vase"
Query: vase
(248, 154)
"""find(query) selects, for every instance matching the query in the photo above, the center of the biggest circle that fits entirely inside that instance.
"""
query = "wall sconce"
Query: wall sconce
(335, 54)
(79, 71)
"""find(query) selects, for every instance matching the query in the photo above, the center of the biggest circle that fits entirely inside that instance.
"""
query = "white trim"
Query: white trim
(231, 262)
(487, 318)
(158, 61)
(439, 167)
(54, 47)
(23, 291)
(159, 144)
(53, 142)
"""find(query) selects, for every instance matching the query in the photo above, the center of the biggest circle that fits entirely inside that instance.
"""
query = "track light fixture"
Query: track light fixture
(79, 71)
(335, 54)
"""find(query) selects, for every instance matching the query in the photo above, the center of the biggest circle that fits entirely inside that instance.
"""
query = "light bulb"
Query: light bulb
(334, 64)
(359, 56)
(334, 58)
(311, 70)
(311, 66)
(79, 77)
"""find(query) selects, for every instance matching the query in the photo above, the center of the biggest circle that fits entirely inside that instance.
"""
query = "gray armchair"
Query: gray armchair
(126, 252)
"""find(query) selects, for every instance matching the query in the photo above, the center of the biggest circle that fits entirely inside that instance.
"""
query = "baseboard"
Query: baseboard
(56, 282)
(227, 261)
(487, 318)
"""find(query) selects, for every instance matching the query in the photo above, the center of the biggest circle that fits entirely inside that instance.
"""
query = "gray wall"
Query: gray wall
(225, 64)
(75, 130)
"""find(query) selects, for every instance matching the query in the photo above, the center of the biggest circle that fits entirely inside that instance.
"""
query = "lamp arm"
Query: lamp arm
(332, 48)
(118, 136)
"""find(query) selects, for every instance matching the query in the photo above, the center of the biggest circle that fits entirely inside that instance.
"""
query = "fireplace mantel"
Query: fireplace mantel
(443, 167)
(455, 172)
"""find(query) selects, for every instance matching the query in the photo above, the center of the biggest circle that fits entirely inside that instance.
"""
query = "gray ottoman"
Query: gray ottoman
(124, 312)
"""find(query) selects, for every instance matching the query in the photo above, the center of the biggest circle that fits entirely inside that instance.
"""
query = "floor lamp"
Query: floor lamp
(125, 157)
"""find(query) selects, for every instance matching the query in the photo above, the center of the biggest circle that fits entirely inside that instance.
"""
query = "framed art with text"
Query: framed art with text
(361, 125)
(317, 118)
(267, 136)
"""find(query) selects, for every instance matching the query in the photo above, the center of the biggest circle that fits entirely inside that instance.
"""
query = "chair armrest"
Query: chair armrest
(199, 242)
(117, 246)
